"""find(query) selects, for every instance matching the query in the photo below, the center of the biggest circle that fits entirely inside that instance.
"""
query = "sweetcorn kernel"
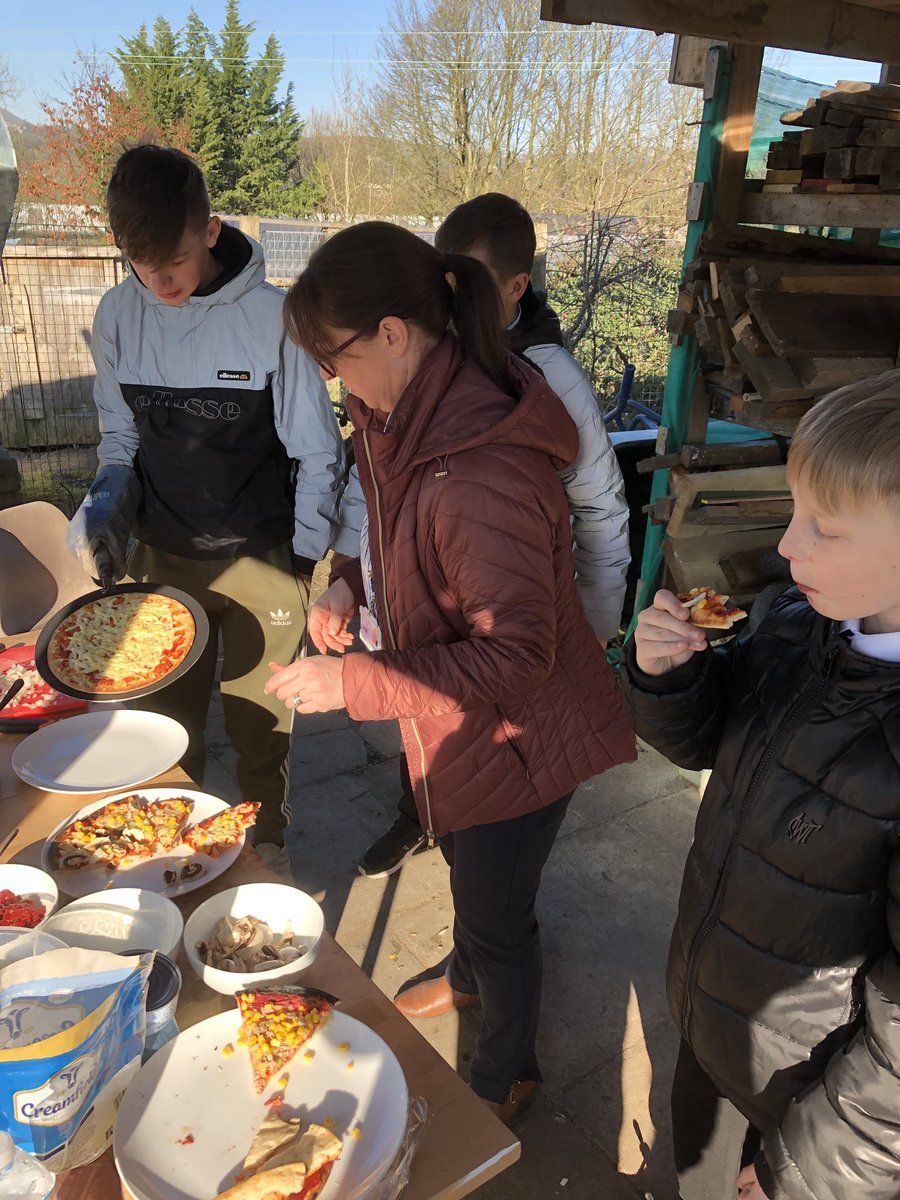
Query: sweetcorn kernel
(228, 1050)
(283, 1081)
(356, 1132)
(309, 1055)
(344, 1047)
(350, 1065)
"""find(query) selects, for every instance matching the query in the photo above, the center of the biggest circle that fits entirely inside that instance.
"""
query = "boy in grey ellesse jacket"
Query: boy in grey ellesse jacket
(220, 454)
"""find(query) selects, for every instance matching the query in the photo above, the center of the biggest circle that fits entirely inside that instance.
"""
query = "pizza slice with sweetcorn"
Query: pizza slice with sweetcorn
(118, 830)
(216, 834)
(168, 818)
(275, 1024)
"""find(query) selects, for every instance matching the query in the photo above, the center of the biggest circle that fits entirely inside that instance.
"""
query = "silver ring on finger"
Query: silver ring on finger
(295, 700)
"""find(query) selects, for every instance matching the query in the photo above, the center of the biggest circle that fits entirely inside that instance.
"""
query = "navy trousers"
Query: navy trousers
(495, 873)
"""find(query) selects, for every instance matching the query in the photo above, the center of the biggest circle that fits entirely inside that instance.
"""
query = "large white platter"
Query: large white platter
(145, 873)
(100, 751)
(189, 1089)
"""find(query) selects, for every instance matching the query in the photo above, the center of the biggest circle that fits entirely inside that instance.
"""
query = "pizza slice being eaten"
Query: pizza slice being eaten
(275, 1023)
(710, 609)
(216, 834)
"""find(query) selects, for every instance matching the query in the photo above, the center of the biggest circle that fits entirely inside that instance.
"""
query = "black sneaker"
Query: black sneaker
(391, 851)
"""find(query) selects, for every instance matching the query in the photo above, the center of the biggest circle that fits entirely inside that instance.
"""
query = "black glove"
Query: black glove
(98, 533)
(110, 565)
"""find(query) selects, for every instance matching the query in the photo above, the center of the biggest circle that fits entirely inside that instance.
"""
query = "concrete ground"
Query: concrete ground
(599, 1129)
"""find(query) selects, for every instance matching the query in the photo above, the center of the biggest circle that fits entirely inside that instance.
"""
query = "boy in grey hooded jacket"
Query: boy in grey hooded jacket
(220, 453)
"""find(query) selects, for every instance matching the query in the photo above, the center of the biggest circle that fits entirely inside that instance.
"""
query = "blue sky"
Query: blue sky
(318, 40)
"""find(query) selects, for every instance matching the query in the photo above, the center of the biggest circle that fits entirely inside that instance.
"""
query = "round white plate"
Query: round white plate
(189, 1088)
(100, 751)
(148, 872)
(119, 920)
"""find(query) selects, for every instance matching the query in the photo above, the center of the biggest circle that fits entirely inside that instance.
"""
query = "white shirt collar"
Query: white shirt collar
(884, 646)
(514, 323)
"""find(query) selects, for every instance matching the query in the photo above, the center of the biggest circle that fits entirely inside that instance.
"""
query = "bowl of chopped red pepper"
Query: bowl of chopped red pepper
(27, 896)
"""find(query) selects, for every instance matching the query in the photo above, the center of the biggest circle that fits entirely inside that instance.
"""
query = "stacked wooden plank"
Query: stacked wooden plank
(848, 141)
(781, 319)
(725, 519)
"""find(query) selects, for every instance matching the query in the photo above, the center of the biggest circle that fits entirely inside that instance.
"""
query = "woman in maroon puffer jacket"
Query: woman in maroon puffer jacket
(505, 700)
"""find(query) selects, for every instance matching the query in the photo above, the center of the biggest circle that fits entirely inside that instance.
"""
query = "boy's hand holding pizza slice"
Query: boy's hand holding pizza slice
(673, 629)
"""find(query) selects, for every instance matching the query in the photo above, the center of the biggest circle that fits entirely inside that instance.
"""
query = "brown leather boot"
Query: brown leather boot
(432, 998)
(521, 1095)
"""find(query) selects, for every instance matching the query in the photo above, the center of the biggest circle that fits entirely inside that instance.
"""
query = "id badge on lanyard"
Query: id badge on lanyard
(369, 629)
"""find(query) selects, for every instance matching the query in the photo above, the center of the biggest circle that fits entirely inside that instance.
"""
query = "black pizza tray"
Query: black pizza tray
(201, 636)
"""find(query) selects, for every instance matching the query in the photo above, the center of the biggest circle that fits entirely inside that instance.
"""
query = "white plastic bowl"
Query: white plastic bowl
(119, 920)
(274, 903)
(31, 883)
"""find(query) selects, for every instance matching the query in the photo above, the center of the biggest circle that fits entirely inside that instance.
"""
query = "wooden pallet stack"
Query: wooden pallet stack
(781, 319)
(725, 513)
(849, 142)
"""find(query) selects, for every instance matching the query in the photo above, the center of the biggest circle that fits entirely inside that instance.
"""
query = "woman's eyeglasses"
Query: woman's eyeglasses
(327, 370)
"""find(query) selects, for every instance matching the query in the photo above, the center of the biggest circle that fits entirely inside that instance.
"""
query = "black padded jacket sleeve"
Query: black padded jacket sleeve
(682, 713)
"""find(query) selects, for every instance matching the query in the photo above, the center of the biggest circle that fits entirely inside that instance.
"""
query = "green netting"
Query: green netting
(778, 93)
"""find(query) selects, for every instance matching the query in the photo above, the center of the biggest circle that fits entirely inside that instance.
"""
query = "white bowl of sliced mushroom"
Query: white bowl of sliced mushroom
(253, 934)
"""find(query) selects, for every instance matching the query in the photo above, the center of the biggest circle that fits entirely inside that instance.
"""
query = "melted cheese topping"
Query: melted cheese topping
(119, 637)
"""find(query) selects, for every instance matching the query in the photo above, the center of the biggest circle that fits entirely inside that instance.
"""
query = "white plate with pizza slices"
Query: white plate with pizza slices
(191, 1113)
(172, 873)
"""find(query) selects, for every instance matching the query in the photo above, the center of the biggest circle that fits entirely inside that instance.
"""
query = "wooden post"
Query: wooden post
(250, 226)
(736, 132)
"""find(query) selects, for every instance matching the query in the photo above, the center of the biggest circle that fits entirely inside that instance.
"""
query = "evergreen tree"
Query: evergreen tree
(153, 74)
(265, 182)
(203, 113)
(206, 89)
(232, 92)
(166, 82)
(134, 59)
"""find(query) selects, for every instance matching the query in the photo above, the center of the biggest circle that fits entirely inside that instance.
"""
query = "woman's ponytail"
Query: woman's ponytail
(478, 316)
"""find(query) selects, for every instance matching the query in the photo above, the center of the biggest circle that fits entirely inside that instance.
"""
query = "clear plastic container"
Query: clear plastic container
(21, 1176)
(16, 944)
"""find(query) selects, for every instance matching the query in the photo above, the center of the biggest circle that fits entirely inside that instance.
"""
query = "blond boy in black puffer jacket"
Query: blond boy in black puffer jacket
(784, 973)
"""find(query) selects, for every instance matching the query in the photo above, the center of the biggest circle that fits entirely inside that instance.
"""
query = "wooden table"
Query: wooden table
(464, 1145)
